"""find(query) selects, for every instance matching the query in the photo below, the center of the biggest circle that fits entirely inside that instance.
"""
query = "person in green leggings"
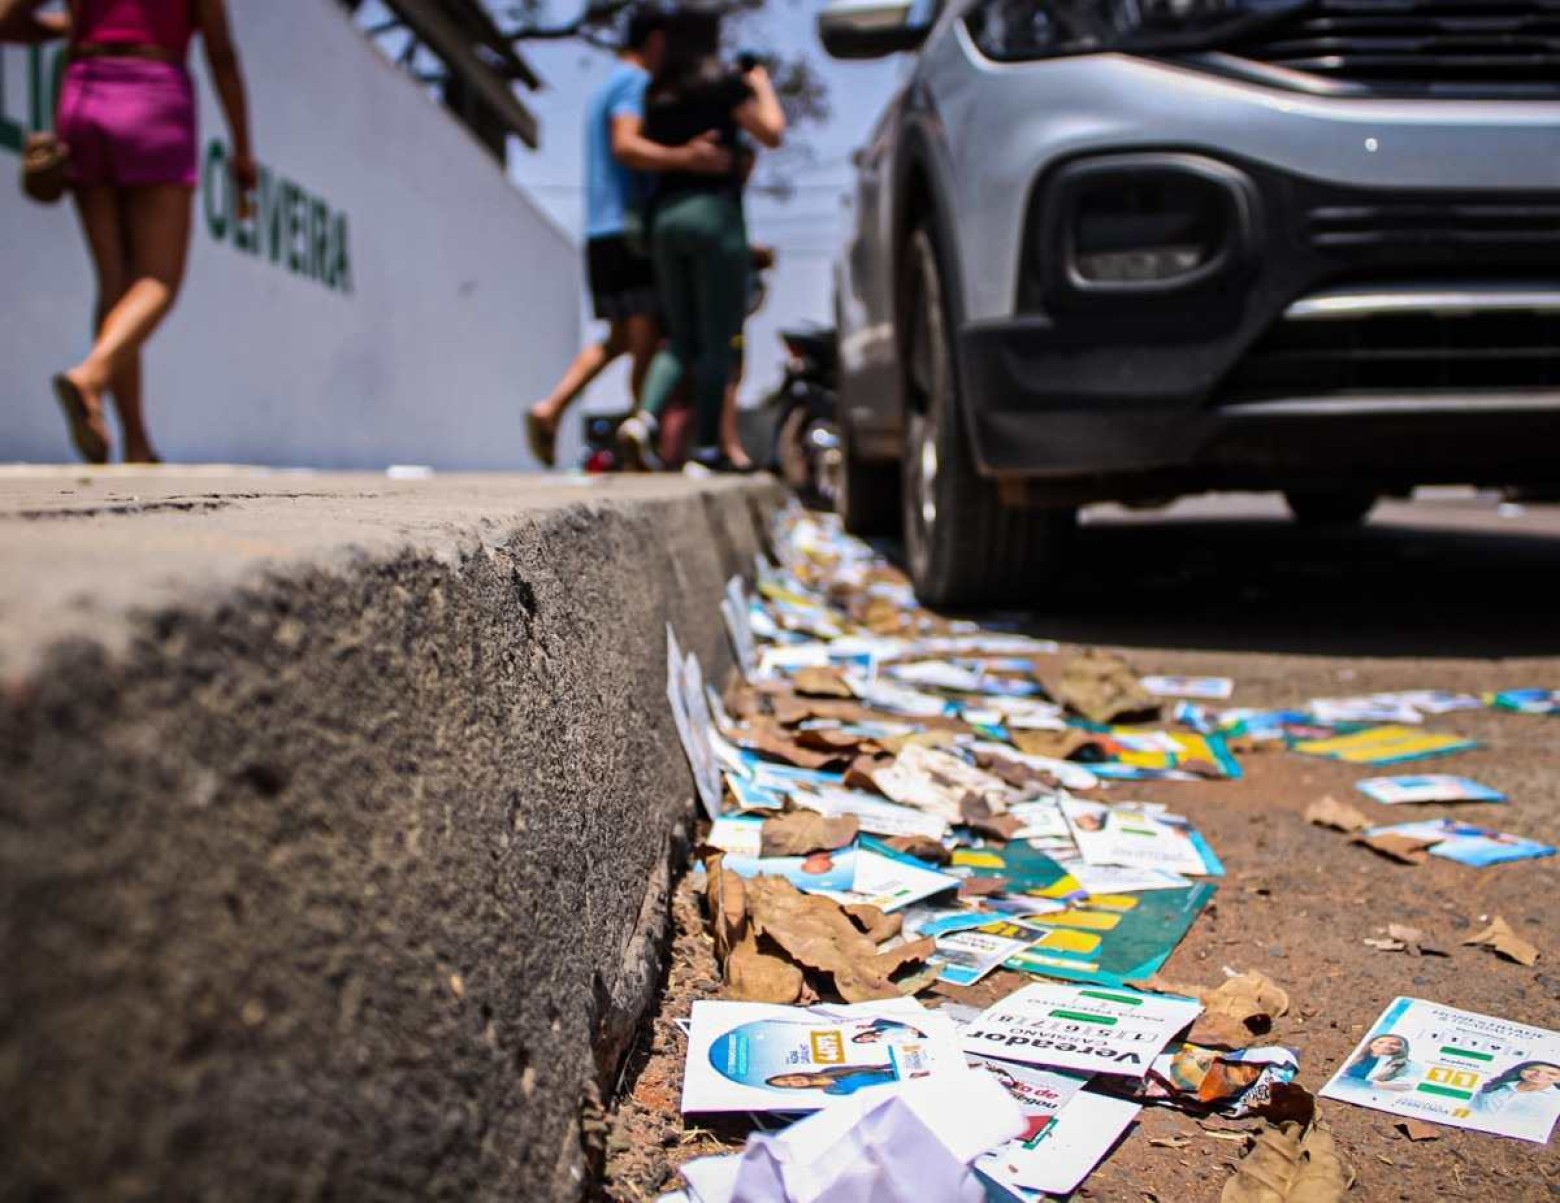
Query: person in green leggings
(698, 237)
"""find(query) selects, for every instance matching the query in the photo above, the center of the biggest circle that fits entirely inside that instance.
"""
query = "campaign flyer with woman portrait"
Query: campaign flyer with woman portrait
(1445, 1066)
(757, 1057)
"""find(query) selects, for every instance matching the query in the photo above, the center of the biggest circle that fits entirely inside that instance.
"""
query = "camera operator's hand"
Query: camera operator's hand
(706, 156)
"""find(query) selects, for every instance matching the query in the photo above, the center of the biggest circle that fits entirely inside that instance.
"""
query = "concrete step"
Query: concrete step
(335, 821)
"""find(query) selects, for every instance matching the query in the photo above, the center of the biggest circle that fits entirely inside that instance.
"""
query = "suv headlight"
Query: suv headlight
(1013, 30)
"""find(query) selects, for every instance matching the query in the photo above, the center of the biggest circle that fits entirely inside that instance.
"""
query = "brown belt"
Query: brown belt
(155, 54)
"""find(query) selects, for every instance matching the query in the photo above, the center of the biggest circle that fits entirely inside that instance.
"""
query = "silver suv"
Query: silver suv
(1131, 249)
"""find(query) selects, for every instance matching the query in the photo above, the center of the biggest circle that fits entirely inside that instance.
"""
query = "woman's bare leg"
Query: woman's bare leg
(102, 226)
(588, 364)
(642, 339)
(156, 225)
(730, 436)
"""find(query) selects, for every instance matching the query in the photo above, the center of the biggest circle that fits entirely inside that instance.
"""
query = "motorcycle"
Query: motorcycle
(806, 453)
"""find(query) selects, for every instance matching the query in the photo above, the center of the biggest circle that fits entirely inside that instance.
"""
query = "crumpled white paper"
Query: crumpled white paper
(896, 1144)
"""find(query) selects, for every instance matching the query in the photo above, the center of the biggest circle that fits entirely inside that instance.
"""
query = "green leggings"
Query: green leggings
(699, 245)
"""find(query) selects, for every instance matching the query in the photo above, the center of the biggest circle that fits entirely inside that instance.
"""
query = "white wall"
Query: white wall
(463, 303)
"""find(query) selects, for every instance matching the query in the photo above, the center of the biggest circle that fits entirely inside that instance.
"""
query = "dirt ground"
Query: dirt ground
(1451, 596)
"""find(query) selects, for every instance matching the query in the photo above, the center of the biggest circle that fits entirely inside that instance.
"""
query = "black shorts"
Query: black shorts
(622, 283)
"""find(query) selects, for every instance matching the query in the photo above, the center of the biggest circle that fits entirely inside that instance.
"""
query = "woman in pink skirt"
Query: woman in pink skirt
(127, 117)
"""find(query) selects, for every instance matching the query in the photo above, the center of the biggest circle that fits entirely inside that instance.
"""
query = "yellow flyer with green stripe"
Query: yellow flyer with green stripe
(1386, 745)
(1445, 1066)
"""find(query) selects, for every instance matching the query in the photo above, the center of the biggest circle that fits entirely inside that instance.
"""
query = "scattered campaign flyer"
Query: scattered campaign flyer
(970, 944)
(758, 1057)
(738, 614)
(1117, 1032)
(1024, 869)
(1167, 756)
(1467, 843)
(1131, 838)
(1385, 745)
(1429, 1062)
(1399, 791)
(1114, 879)
(873, 814)
(1060, 1149)
(889, 880)
(691, 714)
(1527, 701)
(1202, 689)
(1111, 939)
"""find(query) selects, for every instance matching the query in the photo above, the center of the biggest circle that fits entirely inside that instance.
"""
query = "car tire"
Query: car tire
(962, 545)
(1345, 507)
(868, 502)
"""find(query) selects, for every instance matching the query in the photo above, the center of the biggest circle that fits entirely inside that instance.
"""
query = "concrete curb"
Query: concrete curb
(345, 875)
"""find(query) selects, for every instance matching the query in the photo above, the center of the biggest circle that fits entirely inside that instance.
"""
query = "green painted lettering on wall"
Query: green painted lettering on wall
(45, 65)
(290, 226)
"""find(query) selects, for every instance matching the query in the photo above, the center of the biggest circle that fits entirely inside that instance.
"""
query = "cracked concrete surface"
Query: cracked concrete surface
(336, 813)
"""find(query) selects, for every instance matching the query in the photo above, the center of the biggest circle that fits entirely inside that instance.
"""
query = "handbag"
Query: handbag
(43, 168)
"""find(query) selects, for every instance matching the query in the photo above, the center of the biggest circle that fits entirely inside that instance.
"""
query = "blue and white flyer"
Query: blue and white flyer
(1428, 1062)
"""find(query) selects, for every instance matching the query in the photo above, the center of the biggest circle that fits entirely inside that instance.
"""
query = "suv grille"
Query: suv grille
(1501, 48)
(1406, 354)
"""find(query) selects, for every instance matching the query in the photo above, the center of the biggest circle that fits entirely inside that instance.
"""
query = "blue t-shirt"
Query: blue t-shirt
(608, 184)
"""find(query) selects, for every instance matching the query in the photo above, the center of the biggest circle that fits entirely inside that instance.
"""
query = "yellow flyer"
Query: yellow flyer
(1385, 745)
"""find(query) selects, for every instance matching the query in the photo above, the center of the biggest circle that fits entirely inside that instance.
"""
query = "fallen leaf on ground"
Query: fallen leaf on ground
(822, 683)
(1401, 848)
(1339, 816)
(1381, 945)
(802, 832)
(922, 847)
(1168, 1142)
(1289, 1164)
(1505, 942)
(1057, 745)
(828, 739)
(873, 923)
(1417, 1130)
(725, 899)
(1235, 1012)
(754, 976)
(770, 740)
(1103, 688)
(982, 887)
(817, 934)
(977, 816)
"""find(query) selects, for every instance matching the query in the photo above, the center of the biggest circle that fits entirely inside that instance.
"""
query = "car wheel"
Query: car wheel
(1347, 507)
(868, 500)
(962, 544)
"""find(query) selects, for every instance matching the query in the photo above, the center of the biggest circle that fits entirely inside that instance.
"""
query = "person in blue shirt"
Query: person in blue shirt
(622, 281)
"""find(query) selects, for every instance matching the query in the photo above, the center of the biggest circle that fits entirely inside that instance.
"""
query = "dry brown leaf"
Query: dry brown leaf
(922, 847)
(817, 934)
(1400, 848)
(1339, 816)
(801, 832)
(1058, 745)
(977, 816)
(1103, 688)
(1168, 1142)
(982, 887)
(822, 683)
(725, 900)
(1235, 1013)
(1289, 1164)
(1384, 945)
(754, 976)
(873, 923)
(1409, 935)
(828, 739)
(1505, 942)
(763, 736)
(1417, 1130)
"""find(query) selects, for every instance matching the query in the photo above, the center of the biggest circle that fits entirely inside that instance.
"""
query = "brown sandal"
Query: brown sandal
(542, 438)
(89, 442)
